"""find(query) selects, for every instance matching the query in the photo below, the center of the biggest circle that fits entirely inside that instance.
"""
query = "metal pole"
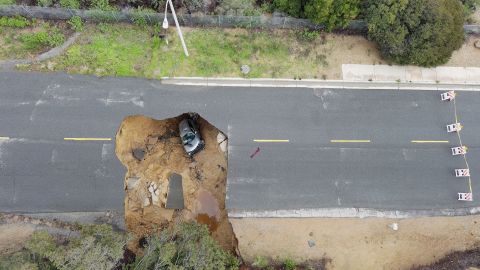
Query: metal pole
(178, 28)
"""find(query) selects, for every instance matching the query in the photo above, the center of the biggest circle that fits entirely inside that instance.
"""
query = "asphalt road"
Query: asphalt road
(40, 171)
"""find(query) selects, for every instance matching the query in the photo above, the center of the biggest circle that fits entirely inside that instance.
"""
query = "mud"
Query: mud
(147, 178)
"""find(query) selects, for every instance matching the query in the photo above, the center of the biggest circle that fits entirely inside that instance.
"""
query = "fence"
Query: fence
(264, 21)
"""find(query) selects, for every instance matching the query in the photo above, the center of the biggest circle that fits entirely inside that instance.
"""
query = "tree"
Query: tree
(97, 247)
(418, 32)
(332, 13)
(188, 246)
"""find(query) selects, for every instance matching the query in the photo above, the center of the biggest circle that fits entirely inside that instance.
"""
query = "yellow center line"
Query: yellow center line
(350, 141)
(87, 139)
(273, 141)
(430, 141)
(4, 138)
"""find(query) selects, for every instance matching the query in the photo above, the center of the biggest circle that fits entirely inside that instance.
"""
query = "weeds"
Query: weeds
(260, 262)
(7, 2)
(75, 4)
(289, 264)
(47, 37)
(76, 23)
(308, 35)
(45, 3)
(16, 22)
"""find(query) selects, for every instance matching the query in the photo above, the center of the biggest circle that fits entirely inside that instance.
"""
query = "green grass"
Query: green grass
(21, 38)
(131, 50)
(7, 2)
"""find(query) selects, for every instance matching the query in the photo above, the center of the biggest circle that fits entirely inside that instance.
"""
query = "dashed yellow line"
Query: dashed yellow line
(272, 141)
(430, 141)
(350, 141)
(87, 139)
(4, 138)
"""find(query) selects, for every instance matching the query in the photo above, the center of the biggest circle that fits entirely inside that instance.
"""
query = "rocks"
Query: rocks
(393, 226)
(311, 243)
(154, 192)
(222, 142)
(138, 153)
(221, 137)
(223, 146)
(132, 183)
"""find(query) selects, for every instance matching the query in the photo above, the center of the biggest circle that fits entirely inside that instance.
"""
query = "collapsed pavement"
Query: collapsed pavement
(159, 173)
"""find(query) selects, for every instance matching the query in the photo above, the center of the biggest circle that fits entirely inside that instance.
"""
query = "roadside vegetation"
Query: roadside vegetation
(21, 38)
(408, 32)
(130, 50)
(188, 246)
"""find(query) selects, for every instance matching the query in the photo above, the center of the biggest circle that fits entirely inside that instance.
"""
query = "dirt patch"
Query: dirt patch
(467, 55)
(147, 178)
(351, 243)
(14, 236)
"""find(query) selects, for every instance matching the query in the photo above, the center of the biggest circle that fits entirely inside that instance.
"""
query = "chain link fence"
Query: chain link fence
(267, 22)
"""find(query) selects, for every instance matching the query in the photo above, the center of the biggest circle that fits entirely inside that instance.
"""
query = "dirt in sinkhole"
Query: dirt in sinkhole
(151, 150)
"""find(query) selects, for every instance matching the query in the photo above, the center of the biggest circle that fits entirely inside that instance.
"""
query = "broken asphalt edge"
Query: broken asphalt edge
(330, 84)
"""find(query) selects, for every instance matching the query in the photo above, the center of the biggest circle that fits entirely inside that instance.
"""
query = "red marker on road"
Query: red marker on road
(256, 152)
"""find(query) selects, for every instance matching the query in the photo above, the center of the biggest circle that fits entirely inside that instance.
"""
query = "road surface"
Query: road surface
(319, 148)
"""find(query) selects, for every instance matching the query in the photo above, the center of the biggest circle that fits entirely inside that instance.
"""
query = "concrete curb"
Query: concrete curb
(10, 64)
(331, 84)
(352, 213)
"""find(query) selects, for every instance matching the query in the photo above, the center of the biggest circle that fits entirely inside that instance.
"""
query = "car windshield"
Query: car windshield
(187, 138)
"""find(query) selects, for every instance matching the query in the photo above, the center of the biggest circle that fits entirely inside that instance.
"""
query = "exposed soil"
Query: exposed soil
(469, 260)
(467, 55)
(352, 243)
(146, 180)
(14, 236)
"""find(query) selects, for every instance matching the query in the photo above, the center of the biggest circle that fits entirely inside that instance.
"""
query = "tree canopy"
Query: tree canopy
(417, 32)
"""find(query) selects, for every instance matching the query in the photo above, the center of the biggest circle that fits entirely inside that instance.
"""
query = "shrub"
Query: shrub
(45, 3)
(291, 7)
(332, 13)
(17, 22)
(43, 38)
(418, 32)
(100, 4)
(237, 7)
(260, 262)
(289, 264)
(97, 247)
(75, 4)
(7, 2)
(76, 23)
(308, 35)
(189, 246)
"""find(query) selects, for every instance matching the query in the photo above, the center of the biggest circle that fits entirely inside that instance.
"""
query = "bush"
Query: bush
(75, 4)
(17, 22)
(332, 13)
(45, 3)
(418, 32)
(260, 262)
(49, 37)
(97, 247)
(100, 4)
(189, 246)
(289, 264)
(291, 7)
(76, 23)
(470, 5)
(7, 2)
(237, 8)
